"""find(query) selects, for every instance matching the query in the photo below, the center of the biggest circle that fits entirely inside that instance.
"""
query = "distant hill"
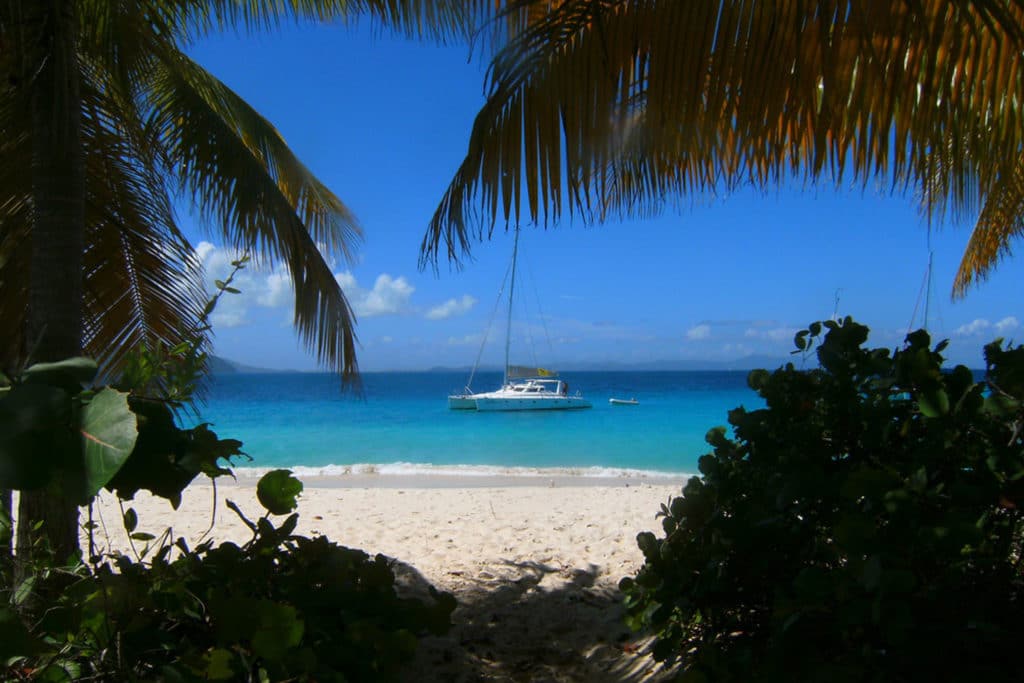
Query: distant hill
(745, 363)
(223, 366)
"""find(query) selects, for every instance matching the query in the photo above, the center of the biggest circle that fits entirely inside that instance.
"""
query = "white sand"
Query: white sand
(534, 567)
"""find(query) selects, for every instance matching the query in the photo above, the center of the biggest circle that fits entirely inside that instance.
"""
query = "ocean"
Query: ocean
(401, 424)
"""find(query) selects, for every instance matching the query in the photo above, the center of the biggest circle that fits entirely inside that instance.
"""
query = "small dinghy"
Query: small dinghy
(624, 401)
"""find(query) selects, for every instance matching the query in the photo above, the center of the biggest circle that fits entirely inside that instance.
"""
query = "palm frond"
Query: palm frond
(605, 107)
(141, 284)
(438, 19)
(1001, 221)
(249, 186)
(120, 39)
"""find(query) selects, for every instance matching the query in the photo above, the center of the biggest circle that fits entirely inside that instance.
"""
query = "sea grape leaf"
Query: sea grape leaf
(280, 629)
(68, 374)
(278, 491)
(218, 665)
(109, 431)
(15, 639)
(933, 403)
(23, 591)
(166, 458)
(33, 434)
(271, 628)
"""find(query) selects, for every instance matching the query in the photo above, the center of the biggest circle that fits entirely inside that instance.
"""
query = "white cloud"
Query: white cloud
(452, 307)
(977, 326)
(698, 332)
(278, 290)
(1006, 324)
(216, 265)
(226, 315)
(347, 282)
(204, 250)
(270, 286)
(389, 295)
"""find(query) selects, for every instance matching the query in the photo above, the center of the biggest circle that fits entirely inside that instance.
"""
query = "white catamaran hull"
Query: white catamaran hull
(529, 394)
(520, 403)
(495, 404)
(461, 403)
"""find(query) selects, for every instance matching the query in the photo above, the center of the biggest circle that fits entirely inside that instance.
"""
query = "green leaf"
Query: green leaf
(219, 284)
(277, 491)
(1002, 406)
(270, 627)
(280, 629)
(933, 403)
(35, 435)
(15, 639)
(142, 536)
(231, 290)
(6, 524)
(918, 481)
(758, 379)
(69, 374)
(109, 431)
(218, 665)
(23, 591)
(58, 672)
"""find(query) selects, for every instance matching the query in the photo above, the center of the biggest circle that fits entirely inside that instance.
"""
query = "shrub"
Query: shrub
(865, 525)
(279, 607)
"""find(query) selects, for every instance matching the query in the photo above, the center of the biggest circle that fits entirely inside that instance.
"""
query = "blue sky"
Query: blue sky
(384, 122)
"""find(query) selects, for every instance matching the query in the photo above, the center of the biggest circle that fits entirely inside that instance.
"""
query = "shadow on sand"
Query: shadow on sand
(528, 621)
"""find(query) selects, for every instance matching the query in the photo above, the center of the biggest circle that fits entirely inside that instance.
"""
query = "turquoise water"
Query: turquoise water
(402, 424)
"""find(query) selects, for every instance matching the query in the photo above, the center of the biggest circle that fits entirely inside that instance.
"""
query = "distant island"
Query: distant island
(745, 363)
(224, 366)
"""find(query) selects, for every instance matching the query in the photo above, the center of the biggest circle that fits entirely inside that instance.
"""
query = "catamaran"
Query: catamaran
(523, 388)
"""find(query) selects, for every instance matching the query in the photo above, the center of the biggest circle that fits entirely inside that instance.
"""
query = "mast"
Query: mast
(511, 292)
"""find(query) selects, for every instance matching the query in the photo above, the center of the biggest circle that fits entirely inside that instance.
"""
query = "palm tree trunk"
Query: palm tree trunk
(58, 229)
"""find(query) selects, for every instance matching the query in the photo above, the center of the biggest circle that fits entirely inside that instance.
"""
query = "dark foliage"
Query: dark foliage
(280, 607)
(864, 526)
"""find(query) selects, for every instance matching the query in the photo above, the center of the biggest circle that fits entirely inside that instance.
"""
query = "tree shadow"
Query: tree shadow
(529, 621)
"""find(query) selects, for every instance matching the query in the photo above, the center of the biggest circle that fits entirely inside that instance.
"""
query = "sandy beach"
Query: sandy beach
(534, 564)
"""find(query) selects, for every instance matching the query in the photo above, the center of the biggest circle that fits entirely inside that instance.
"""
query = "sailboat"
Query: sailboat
(523, 388)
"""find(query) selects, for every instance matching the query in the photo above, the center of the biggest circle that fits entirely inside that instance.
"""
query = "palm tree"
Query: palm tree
(103, 117)
(599, 108)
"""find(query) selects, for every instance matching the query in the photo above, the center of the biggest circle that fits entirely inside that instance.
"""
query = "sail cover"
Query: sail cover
(523, 371)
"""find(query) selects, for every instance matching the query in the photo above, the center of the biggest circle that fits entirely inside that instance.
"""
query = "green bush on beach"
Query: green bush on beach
(864, 526)
(278, 607)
